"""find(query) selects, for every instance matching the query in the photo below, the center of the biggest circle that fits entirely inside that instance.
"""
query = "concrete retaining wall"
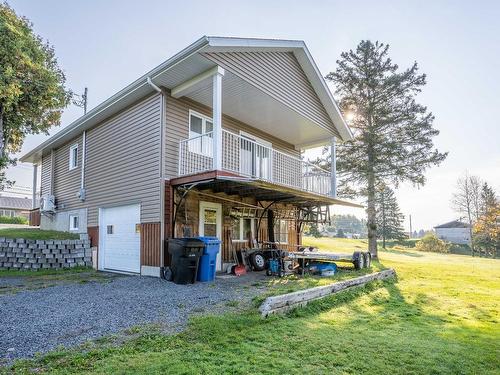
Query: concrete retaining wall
(36, 254)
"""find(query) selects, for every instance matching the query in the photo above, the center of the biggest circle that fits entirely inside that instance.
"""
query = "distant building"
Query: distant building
(13, 206)
(455, 232)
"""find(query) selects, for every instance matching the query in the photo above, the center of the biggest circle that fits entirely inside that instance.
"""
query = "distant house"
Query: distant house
(13, 206)
(455, 231)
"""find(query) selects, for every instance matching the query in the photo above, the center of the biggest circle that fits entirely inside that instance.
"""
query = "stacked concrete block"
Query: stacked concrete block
(42, 254)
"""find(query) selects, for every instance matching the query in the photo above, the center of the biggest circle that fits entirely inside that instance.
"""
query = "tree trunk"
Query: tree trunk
(2, 146)
(383, 221)
(371, 222)
(470, 231)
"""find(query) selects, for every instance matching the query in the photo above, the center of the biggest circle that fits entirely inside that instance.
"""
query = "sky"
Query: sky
(105, 45)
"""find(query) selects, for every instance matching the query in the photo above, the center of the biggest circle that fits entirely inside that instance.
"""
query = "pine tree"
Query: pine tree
(389, 218)
(392, 132)
(488, 199)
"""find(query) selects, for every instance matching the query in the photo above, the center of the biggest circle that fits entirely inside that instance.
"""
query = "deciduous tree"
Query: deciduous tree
(32, 86)
(487, 227)
(466, 200)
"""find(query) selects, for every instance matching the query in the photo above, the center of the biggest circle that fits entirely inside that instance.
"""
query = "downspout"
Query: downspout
(82, 180)
(35, 180)
(162, 173)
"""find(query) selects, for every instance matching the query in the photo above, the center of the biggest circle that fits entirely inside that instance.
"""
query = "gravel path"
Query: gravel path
(40, 320)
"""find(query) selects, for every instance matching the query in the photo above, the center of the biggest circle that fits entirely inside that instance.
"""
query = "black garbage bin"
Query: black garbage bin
(185, 253)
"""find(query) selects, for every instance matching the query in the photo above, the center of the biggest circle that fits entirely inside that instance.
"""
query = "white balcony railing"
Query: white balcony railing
(248, 158)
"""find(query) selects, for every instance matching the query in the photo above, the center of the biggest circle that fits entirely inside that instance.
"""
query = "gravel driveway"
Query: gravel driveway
(39, 320)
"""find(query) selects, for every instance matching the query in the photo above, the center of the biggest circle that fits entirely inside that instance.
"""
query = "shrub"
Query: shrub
(431, 243)
(13, 220)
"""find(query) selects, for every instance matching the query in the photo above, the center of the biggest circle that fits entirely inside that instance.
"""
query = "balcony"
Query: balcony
(248, 158)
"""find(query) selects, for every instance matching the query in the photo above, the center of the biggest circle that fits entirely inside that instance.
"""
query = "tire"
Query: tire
(358, 260)
(368, 260)
(167, 274)
(258, 261)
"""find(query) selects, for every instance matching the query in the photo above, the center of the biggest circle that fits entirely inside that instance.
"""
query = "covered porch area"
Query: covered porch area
(243, 212)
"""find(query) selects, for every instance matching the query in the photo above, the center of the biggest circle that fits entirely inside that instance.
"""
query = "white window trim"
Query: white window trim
(242, 235)
(71, 227)
(203, 118)
(202, 145)
(263, 143)
(73, 163)
(278, 221)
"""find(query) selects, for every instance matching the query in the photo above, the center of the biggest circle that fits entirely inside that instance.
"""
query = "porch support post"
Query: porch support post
(35, 179)
(217, 119)
(333, 168)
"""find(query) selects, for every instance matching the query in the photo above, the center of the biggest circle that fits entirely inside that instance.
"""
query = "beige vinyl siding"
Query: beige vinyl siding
(177, 128)
(122, 164)
(45, 178)
(280, 75)
(67, 182)
(123, 161)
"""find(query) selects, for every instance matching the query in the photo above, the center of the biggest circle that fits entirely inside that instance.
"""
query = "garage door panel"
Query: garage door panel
(121, 242)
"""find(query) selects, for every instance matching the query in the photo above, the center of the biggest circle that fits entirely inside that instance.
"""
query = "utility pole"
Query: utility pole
(82, 100)
(411, 230)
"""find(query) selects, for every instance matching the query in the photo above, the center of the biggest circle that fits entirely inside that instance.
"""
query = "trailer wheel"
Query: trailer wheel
(258, 261)
(358, 260)
(368, 259)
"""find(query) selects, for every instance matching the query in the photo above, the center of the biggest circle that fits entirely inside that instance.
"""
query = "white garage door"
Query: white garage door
(120, 241)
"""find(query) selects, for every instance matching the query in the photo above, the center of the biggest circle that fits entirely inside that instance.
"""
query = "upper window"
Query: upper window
(200, 133)
(73, 156)
(74, 222)
(281, 231)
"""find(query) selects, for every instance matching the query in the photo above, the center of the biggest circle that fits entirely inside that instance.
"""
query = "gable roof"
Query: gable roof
(15, 203)
(141, 87)
(454, 224)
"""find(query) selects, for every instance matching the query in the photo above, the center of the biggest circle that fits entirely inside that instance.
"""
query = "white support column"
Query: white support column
(217, 119)
(333, 168)
(35, 180)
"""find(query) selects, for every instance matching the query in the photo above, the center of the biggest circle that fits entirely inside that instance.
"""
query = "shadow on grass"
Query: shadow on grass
(371, 329)
(402, 252)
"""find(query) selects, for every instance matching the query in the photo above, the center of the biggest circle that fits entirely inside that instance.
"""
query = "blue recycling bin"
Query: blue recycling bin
(208, 261)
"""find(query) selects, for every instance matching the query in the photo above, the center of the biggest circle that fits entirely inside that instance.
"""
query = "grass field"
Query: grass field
(30, 280)
(440, 317)
(37, 234)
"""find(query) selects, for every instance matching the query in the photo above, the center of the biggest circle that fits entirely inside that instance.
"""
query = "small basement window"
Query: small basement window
(74, 222)
(73, 156)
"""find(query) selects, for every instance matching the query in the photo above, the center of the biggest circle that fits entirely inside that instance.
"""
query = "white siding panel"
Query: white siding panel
(280, 75)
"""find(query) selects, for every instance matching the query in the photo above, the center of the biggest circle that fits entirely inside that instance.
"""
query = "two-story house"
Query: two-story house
(207, 143)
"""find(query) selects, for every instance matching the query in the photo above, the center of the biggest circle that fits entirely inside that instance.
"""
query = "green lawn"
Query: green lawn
(37, 234)
(440, 317)
(44, 278)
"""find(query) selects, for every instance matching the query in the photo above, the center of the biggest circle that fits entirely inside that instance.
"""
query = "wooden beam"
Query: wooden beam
(286, 302)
